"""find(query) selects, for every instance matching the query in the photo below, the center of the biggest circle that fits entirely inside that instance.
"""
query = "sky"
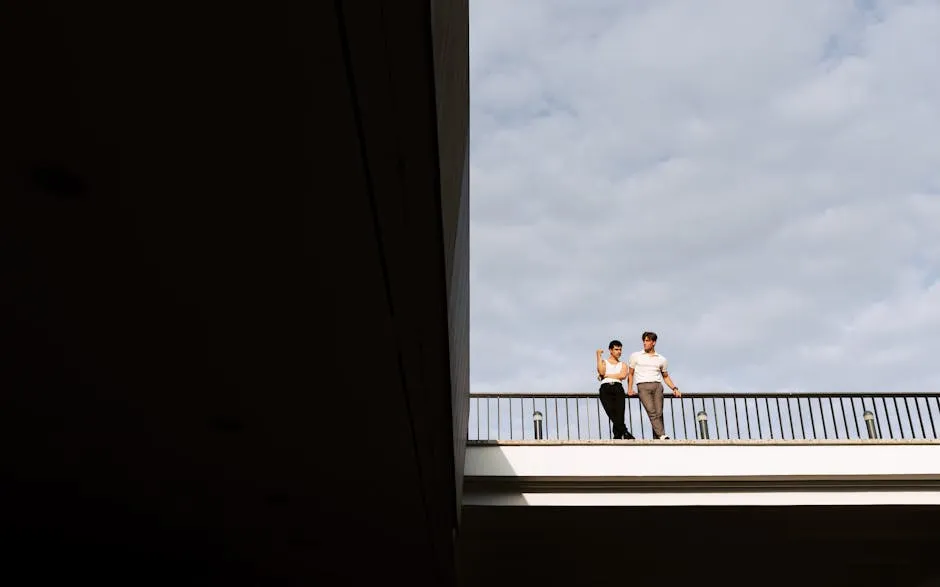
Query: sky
(756, 181)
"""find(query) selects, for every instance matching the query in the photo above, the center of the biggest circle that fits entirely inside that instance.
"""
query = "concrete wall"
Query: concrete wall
(451, 38)
(230, 328)
(703, 473)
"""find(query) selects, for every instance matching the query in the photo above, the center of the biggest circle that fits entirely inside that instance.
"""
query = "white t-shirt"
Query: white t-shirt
(612, 369)
(648, 368)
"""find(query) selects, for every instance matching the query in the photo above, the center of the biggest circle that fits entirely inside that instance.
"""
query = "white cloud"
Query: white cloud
(758, 182)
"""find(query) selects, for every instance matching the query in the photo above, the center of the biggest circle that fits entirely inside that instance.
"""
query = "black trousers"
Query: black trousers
(614, 400)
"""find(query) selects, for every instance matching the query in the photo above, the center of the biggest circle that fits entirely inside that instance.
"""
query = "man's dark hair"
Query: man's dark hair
(614, 343)
(649, 335)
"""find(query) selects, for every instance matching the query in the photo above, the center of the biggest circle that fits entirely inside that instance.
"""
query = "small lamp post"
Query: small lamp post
(537, 421)
(702, 419)
(870, 424)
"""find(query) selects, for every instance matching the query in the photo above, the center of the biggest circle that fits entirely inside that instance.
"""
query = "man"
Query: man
(650, 370)
(611, 372)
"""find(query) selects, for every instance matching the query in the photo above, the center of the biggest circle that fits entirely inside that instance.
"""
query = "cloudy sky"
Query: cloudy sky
(756, 181)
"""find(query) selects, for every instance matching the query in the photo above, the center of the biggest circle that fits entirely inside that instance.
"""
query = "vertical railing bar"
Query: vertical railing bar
(521, 420)
(717, 428)
(747, 420)
(835, 422)
(799, 411)
(547, 435)
(933, 428)
(770, 421)
(822, 416)
(568, 410)
(760, 425)
(800, 416)
(557, 424)
(760, 433)
(835, 425)
(685, 424)
(531, 414)
(923, 423)
(546, 419)
(577, 416)
(910, 421)
(672, 415)
(920, 419)
(812, 420)
(510, 419)
(786, 401)
(884, 404)
(812, 412)
(780, 414)
(587, 419)
(845, 421)
(858, 431)
(732, 418)
(783, 432)
(489, 420)
(499, 420)
(724, 408)
(737, 423)
(587, 414)
(627, 415)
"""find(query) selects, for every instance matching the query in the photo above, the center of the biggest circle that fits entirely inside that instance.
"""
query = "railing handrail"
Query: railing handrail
(718, 395)
(783, 415)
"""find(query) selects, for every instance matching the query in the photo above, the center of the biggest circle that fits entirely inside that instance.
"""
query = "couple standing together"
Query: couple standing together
(649, 370)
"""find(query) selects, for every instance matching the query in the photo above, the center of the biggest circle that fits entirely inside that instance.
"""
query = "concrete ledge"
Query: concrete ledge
(702, 472)
(704, 498)
(684, 460)
(723, 442)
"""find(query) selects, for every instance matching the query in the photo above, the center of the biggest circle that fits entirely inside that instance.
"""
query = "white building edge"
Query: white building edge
(695, 473)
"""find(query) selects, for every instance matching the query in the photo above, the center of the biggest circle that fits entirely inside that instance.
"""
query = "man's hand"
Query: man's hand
(676, 392)
(600, 353)
(631, 391)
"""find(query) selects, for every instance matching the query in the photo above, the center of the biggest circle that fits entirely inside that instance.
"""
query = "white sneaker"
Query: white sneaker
(664, 437)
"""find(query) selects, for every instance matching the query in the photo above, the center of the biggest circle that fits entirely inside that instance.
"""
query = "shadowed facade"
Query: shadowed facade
(235, 291)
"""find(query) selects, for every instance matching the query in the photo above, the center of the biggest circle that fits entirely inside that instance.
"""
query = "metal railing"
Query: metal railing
(757, 416)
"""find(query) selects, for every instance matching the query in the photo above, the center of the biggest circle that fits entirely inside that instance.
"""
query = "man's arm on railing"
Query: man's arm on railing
(672, 386)
(631, 363)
